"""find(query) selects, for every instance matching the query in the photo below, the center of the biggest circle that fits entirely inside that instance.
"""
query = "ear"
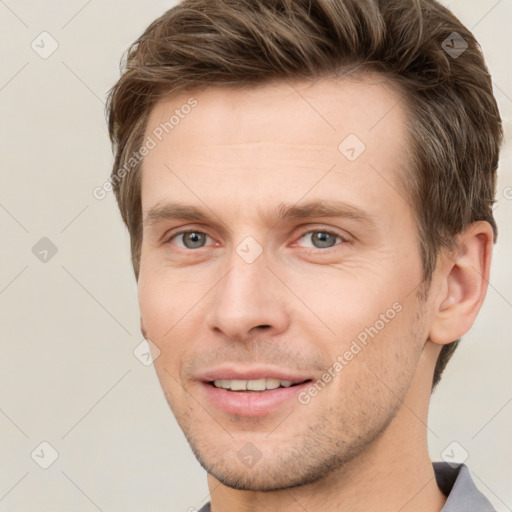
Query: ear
(463, 279)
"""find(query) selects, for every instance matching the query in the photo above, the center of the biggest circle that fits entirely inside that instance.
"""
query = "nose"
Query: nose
(249, 298)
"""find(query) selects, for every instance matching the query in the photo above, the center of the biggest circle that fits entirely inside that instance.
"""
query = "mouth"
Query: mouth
(253, 397)
(254, 385)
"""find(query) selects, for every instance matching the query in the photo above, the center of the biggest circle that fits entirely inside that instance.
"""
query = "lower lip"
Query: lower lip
(250, 403)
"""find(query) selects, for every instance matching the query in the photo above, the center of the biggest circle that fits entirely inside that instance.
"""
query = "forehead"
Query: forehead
(282, 133)
(357, 103)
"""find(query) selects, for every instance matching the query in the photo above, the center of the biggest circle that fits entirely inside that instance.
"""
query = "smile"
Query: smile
(254, 384)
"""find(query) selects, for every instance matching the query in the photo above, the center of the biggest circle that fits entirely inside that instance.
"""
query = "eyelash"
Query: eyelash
(315, 250)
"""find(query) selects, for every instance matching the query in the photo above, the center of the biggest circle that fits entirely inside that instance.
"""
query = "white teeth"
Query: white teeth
(238, 385)
(256, 385)
(272, 383)
(226, 384)
(252, 385)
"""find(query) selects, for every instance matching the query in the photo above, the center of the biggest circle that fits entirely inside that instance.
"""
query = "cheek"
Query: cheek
(348, 305)
(169, 309)
(164, 297)
(378, 376)
(376, 331)
(154, 306)
(160, 315)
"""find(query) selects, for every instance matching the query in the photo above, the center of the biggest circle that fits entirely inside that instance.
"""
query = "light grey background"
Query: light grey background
(68, 375)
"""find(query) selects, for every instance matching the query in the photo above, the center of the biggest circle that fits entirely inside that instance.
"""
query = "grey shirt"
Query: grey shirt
(455, 483)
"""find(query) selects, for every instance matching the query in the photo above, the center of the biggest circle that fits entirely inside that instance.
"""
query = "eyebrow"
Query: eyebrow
(283, 212)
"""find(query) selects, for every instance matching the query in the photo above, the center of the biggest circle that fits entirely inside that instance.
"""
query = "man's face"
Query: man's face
(252, 296)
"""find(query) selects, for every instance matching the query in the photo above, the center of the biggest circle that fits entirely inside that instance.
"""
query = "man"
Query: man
(308, 187)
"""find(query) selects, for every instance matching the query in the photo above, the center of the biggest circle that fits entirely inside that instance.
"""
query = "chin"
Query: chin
(262, 480)
(284, 470)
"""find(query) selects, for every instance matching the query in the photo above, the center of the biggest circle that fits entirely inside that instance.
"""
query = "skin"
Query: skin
(361, 442)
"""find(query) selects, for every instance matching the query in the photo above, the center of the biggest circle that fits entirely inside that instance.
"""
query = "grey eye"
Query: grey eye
(322, 239)
(193, 239)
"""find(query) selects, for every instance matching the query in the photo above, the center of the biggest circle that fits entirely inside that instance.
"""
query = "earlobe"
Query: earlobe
(465, 275)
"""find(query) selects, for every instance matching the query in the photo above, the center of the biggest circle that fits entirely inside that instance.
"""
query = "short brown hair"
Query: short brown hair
(454, 120)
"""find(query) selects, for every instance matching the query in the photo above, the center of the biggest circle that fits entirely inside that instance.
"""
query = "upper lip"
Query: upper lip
(253, 373)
